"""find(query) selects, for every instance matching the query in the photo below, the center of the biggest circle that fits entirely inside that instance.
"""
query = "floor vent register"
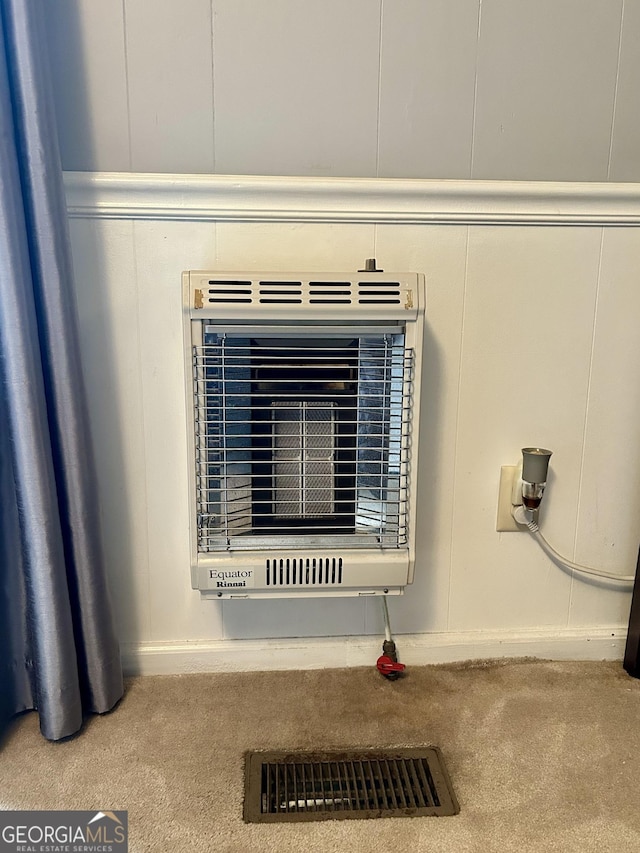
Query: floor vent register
(285, 786)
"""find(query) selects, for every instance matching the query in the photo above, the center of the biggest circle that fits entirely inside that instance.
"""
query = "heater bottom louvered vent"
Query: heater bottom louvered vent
(304, 571)
(336, 785)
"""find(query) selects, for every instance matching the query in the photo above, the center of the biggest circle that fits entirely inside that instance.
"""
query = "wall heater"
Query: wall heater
(303, 397)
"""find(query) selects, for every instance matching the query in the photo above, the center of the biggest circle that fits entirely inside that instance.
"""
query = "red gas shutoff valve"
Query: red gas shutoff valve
(389, 667)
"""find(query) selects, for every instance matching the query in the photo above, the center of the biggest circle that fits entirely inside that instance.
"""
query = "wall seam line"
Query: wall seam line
(615, 94)
(475, 95)
(126, 77)
(143, 419)
(380, 20)
(213, 94)
(586, 419)
(457, 426)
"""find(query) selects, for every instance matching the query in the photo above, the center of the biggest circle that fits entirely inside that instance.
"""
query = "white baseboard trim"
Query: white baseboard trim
(197, 656)
(247, 198)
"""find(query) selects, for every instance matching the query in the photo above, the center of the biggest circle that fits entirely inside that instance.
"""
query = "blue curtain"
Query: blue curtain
(58, 649)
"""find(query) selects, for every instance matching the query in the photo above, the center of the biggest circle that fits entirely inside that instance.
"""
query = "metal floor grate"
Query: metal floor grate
(283, 786)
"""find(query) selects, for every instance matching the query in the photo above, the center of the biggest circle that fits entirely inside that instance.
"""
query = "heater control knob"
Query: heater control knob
(370, 266)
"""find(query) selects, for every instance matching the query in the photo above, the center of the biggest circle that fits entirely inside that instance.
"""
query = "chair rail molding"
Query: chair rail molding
(219, 198)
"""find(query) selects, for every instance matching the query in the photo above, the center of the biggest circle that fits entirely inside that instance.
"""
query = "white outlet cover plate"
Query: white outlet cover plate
(505, 522)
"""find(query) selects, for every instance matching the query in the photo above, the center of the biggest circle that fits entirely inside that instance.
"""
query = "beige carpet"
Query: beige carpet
(543, 756)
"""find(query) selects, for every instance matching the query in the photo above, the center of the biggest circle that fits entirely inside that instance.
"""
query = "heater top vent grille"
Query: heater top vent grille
(291, 296)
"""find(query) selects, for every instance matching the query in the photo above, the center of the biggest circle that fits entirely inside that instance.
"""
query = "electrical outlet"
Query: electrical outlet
(509, 475)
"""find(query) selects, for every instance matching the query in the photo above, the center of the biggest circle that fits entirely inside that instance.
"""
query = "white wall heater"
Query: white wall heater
(303, 398)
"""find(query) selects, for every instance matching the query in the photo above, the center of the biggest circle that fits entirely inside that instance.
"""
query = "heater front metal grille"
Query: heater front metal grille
(298, 439)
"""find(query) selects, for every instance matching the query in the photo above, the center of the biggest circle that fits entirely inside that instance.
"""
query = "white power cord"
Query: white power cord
(521, 517)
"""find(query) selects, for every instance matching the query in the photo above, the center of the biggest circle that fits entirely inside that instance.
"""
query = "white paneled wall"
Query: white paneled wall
(296, 87)
(503, 89)
(524, 380)
(531, 339)
(427, 88)
(90, 83)
(546, 83)
(108, 309)
(170, 85)
(610, 473)
(625, 138)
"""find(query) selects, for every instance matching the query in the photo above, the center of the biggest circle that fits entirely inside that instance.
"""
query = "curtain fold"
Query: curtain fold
(58, 650)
